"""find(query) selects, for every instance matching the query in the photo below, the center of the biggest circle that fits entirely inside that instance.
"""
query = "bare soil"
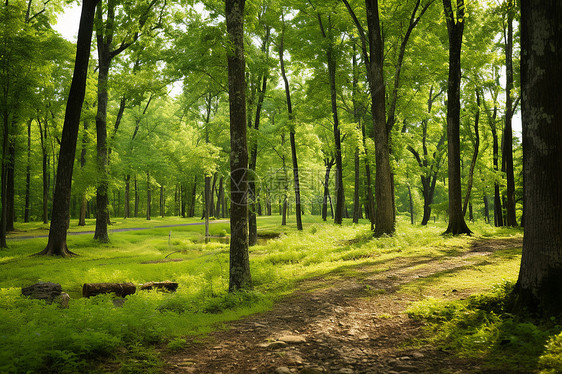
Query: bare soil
(339, 324)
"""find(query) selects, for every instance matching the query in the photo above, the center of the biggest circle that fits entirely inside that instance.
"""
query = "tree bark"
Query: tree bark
(27, 208)
(136, 197)
(455, 28)
(298, 210)
(148, 197)
(127, 207)
(329, 164)
(507, 151)
(240, 277)
(540, 278)
(59, 223)
(474, 157)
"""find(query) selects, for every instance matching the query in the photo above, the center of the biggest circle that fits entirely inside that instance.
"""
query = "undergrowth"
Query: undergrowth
(482, 327)
(94, 334)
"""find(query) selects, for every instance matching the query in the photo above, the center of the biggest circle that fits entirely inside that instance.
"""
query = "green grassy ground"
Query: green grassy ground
(35, 336)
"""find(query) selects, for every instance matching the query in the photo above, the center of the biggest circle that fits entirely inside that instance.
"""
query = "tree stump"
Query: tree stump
(47, 291)
(119, 289)
(161, 286)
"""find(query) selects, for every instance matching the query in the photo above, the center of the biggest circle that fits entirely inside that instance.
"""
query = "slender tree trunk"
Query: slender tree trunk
(136, 197)
(11, 195)
(127, 207)
(59, 223)
(3, 182)
(298, 210)
(148, 197)
(455, 28)
(411, 205)
(207, 207)
(240, 277)
(540, 278)
(27, 208)
(329, 164)
(498, 216)
(356, 202)
(486, 208)
(162, 202)
(508, 131)
(474, 156)
(193, 196)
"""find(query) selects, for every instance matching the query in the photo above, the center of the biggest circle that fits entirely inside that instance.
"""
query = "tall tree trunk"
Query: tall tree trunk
(240, 277)
(102, 213)
(298, 210)
(455, 28)
(136, 197)
(486, 208)
(411, 205)
(474, 156)
(384, 213)
(83, 199)
(498, 216)
(127, 207)
(329, 164)
(193, 196)
(507, 151)
(148, 197)
(3, 182)
(27, 208)
(356, 202)
(540, 278)
(59, 223)
(162, 202)
(10, 190)
(45, 172)
(207, 207)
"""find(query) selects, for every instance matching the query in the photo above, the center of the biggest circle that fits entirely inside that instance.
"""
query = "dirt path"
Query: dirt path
(345, 325)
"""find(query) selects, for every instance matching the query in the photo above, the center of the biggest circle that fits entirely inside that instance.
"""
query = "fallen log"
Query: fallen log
(162, 286)
(119, 289)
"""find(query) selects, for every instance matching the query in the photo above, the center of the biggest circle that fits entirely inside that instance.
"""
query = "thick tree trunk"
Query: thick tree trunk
(59, 223)
(384, 213)
(540, 278)
(102, 213)
(455, 28)
(240, 277)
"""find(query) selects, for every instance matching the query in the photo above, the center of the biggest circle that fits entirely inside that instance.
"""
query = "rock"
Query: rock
(282, 370)
(312, 370)
(63, 300)
(273, 345)
(292, 339)
(47, 291)
(119, 289)
(345, 371)
(418, 355)
(160, 286)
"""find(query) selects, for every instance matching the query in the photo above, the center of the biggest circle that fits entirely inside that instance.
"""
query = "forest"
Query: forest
(287, 141)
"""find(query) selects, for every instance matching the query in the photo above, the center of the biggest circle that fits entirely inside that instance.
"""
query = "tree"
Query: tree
(298, 209)
(540, 278)
(107, 51)
(240, 277)
(455, 26)
(59, 223)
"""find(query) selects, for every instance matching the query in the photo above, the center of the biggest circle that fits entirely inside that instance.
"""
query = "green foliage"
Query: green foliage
(482, 327)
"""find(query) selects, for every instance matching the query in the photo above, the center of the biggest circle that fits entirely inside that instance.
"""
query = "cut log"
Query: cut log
(119, 289)
(161, 286)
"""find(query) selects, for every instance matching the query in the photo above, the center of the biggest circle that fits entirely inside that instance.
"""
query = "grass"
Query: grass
(92, 333)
